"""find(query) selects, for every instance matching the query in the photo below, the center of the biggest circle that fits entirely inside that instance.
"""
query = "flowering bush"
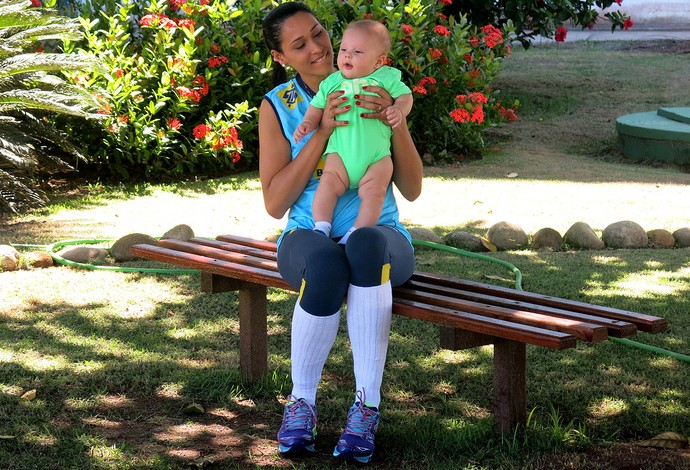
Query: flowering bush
(539, 17)
(182, 75)
(441, 58)
(169, 73)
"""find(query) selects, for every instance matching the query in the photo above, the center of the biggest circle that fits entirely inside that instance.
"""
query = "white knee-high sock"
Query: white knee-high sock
(369, 313)
(311, 341)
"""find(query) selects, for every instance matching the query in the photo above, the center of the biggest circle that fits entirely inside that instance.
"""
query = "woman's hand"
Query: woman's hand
(376, 103)
(334, 108)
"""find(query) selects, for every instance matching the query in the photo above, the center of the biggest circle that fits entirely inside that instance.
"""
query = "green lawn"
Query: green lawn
(116, 358)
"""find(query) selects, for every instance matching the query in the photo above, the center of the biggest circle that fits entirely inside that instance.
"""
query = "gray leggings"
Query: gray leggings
(322, 270)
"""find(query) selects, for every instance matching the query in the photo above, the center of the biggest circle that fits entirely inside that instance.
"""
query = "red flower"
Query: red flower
(493, 36)
(186, 23)
(435, 53)
(367, 16)
(474, 42)
(478, 97)
(204, 2)
(235, 157)
(447, 2)
(214, 62)
(151, 20)
(215, 48)
(460, 115)
(619, 2)
(174, 124)
(468, 58)
(124, 119)
(201, 130)
(478, 115)
(36, 3)
(407, 29)
(627, 24)
(441, 30)
(561, 33)
(200, 81)
(185, 92)
(442, 16)
(119, 73)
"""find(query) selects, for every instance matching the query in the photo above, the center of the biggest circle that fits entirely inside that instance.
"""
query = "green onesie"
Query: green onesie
(363, 141)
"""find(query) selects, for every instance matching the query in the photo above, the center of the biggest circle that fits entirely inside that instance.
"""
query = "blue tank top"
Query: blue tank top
(290, 101)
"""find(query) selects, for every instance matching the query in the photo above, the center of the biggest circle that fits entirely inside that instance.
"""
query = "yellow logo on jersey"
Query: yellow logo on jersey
(290, 96)
(318, 171)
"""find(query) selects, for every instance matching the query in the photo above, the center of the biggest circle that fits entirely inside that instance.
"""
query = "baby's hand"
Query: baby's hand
(302, 130)
(394, 116)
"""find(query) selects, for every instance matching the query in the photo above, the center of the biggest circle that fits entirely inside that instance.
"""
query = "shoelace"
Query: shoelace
(298, 413)
(361, 421)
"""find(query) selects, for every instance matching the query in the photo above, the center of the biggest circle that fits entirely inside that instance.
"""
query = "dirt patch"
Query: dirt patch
(619, 457)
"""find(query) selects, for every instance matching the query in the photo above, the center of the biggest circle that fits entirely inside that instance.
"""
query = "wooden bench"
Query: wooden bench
(470, 314)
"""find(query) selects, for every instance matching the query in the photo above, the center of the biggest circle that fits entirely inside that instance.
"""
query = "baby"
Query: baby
(358, 155)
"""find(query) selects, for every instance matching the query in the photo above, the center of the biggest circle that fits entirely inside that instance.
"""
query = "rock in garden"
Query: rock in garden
(507, 236)
(180, 232)
(625, 234)
(660, 238)
(272, 238)
(547, 239)
(682, 237)
(580, 235)
(38, 259)
(424, 234)
(464, 241)
(121, 249)
(9, 258)
(82, 254)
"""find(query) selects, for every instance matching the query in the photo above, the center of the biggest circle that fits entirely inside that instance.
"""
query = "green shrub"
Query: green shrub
(187, 76)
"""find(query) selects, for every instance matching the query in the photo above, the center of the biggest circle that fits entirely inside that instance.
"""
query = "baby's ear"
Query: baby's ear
(381, 61)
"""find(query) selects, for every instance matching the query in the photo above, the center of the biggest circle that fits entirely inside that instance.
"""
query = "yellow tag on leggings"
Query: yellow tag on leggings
(385, 273)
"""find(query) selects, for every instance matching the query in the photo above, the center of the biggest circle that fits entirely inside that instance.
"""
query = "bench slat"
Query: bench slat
(616, 328)
(235, 248)
(579, 329)
(215, 266)
(643, 322)
(218, 253)
(481, 324)
(261, 244)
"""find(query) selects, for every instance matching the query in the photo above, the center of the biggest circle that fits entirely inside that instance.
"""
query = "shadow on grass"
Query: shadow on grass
(113, 388)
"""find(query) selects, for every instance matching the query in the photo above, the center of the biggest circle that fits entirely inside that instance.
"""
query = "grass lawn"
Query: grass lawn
(115, 359)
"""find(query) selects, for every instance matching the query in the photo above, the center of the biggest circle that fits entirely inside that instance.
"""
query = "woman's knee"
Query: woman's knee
(317, 267)
(377, 255)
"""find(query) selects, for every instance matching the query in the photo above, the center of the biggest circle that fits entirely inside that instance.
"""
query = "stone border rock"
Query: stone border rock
(624, 234)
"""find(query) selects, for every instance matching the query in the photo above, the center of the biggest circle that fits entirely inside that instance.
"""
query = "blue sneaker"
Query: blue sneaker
(297, 433)
(357, 440)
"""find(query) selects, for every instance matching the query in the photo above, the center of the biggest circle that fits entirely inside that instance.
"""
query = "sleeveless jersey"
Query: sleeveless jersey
(290, 101)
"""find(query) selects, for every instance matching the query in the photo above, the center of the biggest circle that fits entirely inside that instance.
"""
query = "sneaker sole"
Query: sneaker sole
(296, 450)
(358, 458)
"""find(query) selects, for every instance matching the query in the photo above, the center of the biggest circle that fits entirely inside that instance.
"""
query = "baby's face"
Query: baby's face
(358, 54)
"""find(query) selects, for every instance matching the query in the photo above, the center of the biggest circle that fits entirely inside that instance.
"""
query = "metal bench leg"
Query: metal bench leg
(510, 390)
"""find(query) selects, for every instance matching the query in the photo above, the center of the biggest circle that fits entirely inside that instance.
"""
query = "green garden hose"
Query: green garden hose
(518, 286)
(470, 254)
(52, 248)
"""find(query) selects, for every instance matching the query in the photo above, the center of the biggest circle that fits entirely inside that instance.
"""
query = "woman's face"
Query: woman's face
(306, 46)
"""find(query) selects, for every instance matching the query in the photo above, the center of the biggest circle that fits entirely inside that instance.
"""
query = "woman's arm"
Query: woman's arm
(407, 164)
(282, 178)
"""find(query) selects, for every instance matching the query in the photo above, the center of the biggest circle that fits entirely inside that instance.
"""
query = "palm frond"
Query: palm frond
(44, 101)
(27, 63)
(60, 31)
(18, 192)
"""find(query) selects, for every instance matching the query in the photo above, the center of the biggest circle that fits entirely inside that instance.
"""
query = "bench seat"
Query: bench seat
(469, 313)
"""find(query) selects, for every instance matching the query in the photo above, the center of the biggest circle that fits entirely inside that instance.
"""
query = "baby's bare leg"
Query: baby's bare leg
(372, 192)
(333, 183)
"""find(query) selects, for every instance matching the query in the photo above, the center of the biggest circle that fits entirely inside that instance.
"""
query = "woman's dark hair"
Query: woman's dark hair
(272, 26)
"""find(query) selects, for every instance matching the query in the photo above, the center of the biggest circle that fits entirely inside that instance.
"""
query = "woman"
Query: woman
(372, 261)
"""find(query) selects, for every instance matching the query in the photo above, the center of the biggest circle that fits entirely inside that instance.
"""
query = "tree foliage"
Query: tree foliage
(531, 18)
(31, 91)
